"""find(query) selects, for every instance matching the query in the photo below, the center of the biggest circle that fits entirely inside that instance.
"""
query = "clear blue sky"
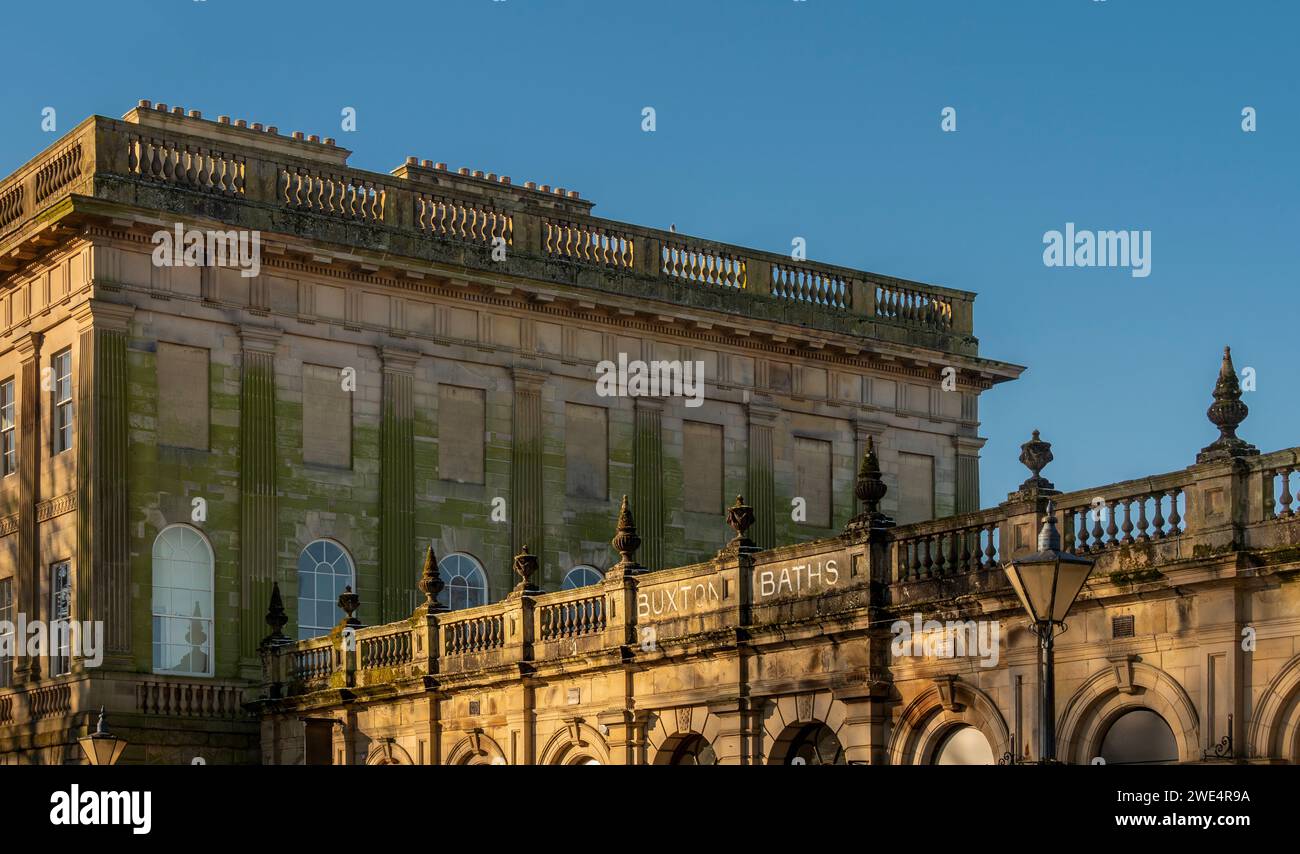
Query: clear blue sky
(821, 119)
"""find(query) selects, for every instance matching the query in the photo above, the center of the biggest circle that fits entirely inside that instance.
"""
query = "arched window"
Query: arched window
(815, 744)
(324, 569)
(964, 746)
(466, 582)
(694, 750)
(1139, 737)
(182, 602)
(581, 576)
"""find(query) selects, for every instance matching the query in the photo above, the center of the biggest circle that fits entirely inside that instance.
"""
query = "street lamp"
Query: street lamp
(102, 747)
(1047, 582)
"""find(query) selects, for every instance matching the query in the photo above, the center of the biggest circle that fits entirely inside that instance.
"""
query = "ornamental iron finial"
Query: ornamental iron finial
(1227, 412)
(626, 541)
(431, 584)
(1049, 538)
(348, 603)
(525, 567)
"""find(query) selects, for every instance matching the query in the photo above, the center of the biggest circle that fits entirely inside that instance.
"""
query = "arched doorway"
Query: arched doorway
(1139, 737)
(693, 750)
(964, 745)
(815, 744)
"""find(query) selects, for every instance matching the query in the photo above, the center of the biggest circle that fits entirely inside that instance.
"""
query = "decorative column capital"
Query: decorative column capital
(969, 446)
(527, 379)
(399, 361)
(29, 345)
(762, 411)
(259, 339)
(101, 314)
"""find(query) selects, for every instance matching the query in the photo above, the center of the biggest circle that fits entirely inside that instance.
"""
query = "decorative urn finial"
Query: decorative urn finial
(525, 568)
(626, 541)
(740, 518)
(869, 488)
(276, 618)
(431, 584)
(1227, 412)
(349, 602)
(1035, 455)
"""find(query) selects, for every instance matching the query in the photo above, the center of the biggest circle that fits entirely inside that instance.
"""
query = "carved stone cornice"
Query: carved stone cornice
(65, 503)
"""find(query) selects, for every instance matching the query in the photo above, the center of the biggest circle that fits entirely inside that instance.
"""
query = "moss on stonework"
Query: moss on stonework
(1124, 578)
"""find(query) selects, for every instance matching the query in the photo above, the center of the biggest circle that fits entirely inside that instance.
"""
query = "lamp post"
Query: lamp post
(1047, 583)
(102, 747)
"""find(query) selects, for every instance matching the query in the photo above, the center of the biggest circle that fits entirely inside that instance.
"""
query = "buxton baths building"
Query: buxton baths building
(1183, 645)
(229, 359)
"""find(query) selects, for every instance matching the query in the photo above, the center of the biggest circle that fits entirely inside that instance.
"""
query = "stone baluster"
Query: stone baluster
(1112, 530)
(1158, 523)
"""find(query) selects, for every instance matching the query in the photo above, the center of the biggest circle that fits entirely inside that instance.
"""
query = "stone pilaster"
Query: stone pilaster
(102, 570)
(625, 737)
(648, 488)
(968, 473)
(397, 552)
(761, 488)
(257, 504)
(526, 504)
(28, 575)
(734, 743)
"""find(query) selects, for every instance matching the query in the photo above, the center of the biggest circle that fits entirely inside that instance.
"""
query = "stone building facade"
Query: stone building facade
(394, 361)
(1184, 646)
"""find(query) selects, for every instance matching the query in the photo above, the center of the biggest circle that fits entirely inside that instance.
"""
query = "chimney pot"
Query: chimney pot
(440, 166)
(240, 123)
(273, 129)
(145, 105)
(161, 107)
(530, 185)
(223, 120)
(297, 134)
